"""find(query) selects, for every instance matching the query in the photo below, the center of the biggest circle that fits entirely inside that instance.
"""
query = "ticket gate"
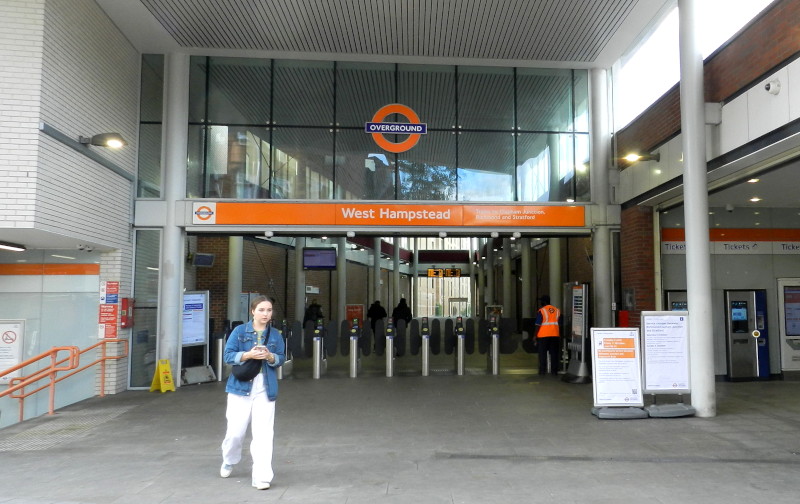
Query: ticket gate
(746, 334)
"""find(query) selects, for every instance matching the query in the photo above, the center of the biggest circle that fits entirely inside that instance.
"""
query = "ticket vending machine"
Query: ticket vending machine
(746, 334)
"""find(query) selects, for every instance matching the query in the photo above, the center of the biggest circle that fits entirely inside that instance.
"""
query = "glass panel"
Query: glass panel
(486, 98)
(302, 164)
(485, 166)
(235, 165)
(152, 99)
(198, 69)
(363, 170)
(303, 93)
(548, 170)
(533, 170)
(544, 99)
(428, 171)
(194, 166)
(430, 92)
(581, 100)
(582, 172)
(361, 90)
(145, 316)
(149, 180)
(238, 90)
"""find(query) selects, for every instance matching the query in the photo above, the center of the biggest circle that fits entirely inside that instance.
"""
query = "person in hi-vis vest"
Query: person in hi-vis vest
(548, 335)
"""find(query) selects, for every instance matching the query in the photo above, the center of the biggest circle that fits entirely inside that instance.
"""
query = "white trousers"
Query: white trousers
(240, 411)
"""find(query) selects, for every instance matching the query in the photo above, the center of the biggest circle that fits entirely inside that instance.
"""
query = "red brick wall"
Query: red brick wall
(769, 41)
(638, 259)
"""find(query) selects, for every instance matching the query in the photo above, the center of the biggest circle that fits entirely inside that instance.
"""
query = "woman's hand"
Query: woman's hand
(260, 353)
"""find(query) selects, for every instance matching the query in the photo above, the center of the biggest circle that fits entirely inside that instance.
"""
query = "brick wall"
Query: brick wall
(638, 259)
(21, 35)
(769, 41)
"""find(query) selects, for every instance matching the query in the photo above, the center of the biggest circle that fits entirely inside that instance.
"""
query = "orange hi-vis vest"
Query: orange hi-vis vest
(549, 326)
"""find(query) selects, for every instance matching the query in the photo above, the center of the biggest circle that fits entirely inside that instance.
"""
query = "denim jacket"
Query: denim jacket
(242, 339)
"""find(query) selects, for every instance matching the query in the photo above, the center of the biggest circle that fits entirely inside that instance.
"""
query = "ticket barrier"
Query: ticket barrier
(460, 346)
(493, 355)
(355, 358)
(288, 364)
(320, 363)
(390, 348)
(425, 331)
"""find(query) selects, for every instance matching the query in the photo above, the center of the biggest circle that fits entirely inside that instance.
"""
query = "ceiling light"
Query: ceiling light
(112, 140)
(14, 247)
(494, 234)
(755, 199)
(753, 180)
(351, 234)
(269, 234)
(635, 158)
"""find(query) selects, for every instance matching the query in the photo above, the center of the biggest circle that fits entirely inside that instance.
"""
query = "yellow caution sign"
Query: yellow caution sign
(162, 379)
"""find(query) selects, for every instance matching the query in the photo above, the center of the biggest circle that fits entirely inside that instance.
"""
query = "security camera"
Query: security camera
(729, 208)
(773, 87)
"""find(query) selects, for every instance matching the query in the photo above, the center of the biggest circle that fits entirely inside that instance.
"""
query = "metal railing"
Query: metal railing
(69, 364)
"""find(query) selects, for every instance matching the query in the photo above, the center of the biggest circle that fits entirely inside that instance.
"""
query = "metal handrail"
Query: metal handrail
(70, 363)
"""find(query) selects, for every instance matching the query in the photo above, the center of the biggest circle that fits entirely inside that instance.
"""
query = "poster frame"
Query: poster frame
(648, 359)
(205, 316)
(636, 396)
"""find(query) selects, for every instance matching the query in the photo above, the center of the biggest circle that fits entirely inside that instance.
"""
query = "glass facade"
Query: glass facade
(289, 129)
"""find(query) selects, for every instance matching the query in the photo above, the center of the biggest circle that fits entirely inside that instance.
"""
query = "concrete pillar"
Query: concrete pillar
(376, 270)
(695, 194)
(554, 272)
(176, 124)
(341, 279)
(527, 274)
(299, 280)
(508, 282)
(235, 250)
(600, 138)
(396, 271)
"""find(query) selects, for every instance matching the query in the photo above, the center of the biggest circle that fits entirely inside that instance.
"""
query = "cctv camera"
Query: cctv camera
(729, 208)
(773, 87)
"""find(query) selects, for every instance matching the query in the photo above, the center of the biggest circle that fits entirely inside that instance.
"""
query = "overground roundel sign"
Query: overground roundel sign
(413, 128)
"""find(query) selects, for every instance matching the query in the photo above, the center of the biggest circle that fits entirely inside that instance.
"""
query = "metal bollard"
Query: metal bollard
(389, 356)
(218, 360)
(426, 355)
(460, 355)
(354, 357)
(317, 356)
(495, 353)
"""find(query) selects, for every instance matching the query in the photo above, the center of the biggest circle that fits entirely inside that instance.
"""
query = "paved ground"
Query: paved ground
(410, 439)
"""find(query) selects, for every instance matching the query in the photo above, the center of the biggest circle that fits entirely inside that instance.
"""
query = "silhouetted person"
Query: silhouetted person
(375, 313)
(402, 311)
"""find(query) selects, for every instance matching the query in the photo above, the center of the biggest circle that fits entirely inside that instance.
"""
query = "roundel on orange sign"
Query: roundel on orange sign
(413, 128)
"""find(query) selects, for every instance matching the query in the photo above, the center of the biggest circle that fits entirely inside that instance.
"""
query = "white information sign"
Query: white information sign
(616, 367)
(11, 335)
(195, 318)
(665, 349)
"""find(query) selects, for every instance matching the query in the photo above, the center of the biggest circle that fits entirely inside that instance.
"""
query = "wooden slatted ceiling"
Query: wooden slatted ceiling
(537, 30)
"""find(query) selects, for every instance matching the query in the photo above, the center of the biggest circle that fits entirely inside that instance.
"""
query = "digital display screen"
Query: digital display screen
(319, 258)
(738, 311)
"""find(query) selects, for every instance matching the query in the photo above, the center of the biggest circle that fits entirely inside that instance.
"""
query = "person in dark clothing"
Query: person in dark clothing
(313, 312)
(375, 313)
(402, 311)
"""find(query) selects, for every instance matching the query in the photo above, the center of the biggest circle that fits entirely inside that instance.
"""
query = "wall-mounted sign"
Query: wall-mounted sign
(388, 214)
(435, 272)
(413, 128)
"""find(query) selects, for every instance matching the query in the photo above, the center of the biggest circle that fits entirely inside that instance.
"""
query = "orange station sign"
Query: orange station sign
(386, 214)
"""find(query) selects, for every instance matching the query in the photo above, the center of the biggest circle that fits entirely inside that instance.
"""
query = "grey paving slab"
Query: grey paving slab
(410, 439)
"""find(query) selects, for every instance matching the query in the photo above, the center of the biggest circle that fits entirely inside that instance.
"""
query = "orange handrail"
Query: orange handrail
(70, 363)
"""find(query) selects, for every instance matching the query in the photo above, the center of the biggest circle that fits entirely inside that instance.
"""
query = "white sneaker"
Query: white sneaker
(225, 470)
(261, 485)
